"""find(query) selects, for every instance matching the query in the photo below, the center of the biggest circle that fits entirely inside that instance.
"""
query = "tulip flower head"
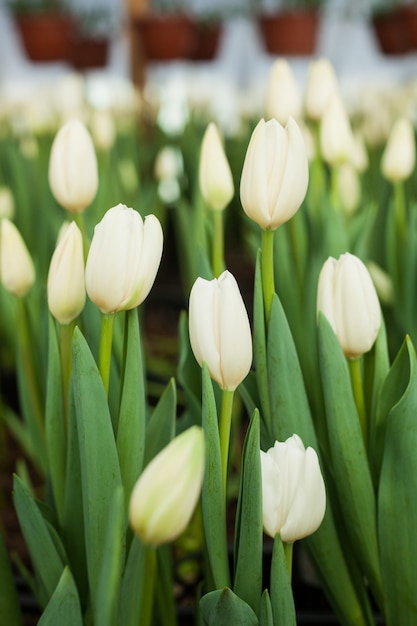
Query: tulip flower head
(336, 137)
(166, 493)
(17, 272)
(293, 491)
(283, 97)
(6, 202)
(347, 297)
(275, 173)
(321, 85)
(73, 173)
(123, 259)
(215, 176)
(399, 157)
(66, 285)
(219, 328)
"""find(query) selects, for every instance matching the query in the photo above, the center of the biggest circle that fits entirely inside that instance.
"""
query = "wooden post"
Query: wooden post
(135, 9)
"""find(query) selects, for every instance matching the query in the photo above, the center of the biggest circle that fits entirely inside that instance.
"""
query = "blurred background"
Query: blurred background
(109, 43)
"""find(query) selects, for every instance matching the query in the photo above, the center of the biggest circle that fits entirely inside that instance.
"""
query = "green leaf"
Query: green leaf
(100, 470)
(356, 497)
(108, 592)
(44, 552)
(55, 421)
(189, 371)
(397, 512)
(247, 583)
(213, 503)
(9, 602)
(64, 606)
(132, 584)
(265, 617)
(282, 600)
(161, 426)
(132, 414)
(223, 608)
(292, 415)
(259, 352)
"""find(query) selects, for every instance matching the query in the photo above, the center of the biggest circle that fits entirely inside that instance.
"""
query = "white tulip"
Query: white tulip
(321, 85)
(293, 491)
(399, 157)
(219, 328)
(283, 98)
(66, 285)
(73, 172)
(123, 259)
(275, 173)
(166, 493)
(336, 137)
(17, 272)
(215, 176)
(347, 297)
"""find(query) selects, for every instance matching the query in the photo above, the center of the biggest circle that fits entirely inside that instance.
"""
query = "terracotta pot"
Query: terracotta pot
(391, 32)
(90, 52)
(165, 37)
(46, 36)
(292, 32)
(207, 37)
(409, 23)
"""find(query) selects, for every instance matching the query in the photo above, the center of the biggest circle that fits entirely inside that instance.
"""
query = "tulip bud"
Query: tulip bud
(103, 129)
(166, 493)
(275, 173)
(398, 159)
(169, 163)
(347, 297)
(293, 491)
(123, 259)
(283, 98)
(66, 287)
(6, 202)
(382, 282)
(349, 187)
(73, 175)
(321, 85)
(219, 328)
(215, 176)
(336, 136)
(17, 272)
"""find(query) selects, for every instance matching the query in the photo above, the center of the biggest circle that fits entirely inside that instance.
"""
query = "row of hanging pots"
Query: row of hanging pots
(181, 37)
(55, 36)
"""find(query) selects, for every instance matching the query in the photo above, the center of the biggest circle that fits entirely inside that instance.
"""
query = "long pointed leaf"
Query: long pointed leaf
(64, 606)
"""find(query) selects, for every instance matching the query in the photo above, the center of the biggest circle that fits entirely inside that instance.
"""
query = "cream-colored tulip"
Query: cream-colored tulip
(214, 174)
(17, 272)
(123, 259)
(347, 297)
(219, 329)
(293, 490)
(103, 129)
(66, 284)
(283, 97)
(275, 173)
(399, 157)
(336, 136)
(166, 493)
(349, 187)
(73, 172)
(321, 85)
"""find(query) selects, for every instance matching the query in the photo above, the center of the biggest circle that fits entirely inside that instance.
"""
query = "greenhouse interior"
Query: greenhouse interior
(208, 420)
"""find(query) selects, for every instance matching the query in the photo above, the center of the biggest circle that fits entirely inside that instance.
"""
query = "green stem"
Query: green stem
(104, 357)
(334, 188)
(288, 551)
(400, 212)
(218, 244)
(79, 220)
(267, 267)
(225, 425)
(65, 340)
(148, 587)
(358, 394)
